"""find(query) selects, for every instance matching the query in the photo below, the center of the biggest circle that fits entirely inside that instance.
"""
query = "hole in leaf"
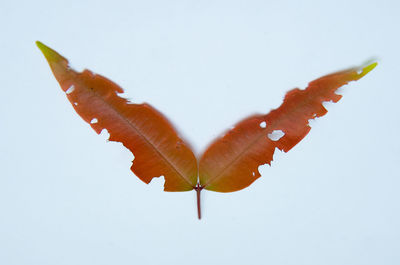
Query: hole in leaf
(312, 121)
(263, 124)
(93, 121)
(276, 135)
(178, 144)
(76, 103)
(327, 104)
(104, 134)
(340, 90)
(70, 90)
(157, 183)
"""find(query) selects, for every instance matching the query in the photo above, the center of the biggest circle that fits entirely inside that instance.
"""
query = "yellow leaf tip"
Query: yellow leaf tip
(39, 44)
(50, 54)
(366, 69)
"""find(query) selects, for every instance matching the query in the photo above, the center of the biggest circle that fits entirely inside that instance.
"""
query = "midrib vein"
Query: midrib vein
(257, 138)
(234, 160)
(163, 157)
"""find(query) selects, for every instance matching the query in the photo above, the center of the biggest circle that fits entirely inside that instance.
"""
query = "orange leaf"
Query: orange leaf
(231, 162)
(142, 129)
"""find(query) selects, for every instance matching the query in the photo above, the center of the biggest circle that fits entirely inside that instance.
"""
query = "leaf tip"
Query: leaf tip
(366, 69)
(51, 55)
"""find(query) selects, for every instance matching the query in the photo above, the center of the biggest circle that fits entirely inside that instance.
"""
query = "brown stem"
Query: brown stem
(198, 189)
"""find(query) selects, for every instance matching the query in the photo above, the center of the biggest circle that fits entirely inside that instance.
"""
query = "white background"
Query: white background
(68, 197)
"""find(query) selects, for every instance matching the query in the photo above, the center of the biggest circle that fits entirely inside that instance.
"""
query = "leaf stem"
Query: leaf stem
(198, 189)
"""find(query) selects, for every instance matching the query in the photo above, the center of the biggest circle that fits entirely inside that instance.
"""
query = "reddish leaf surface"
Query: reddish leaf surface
(231, 162)
(142, 129)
